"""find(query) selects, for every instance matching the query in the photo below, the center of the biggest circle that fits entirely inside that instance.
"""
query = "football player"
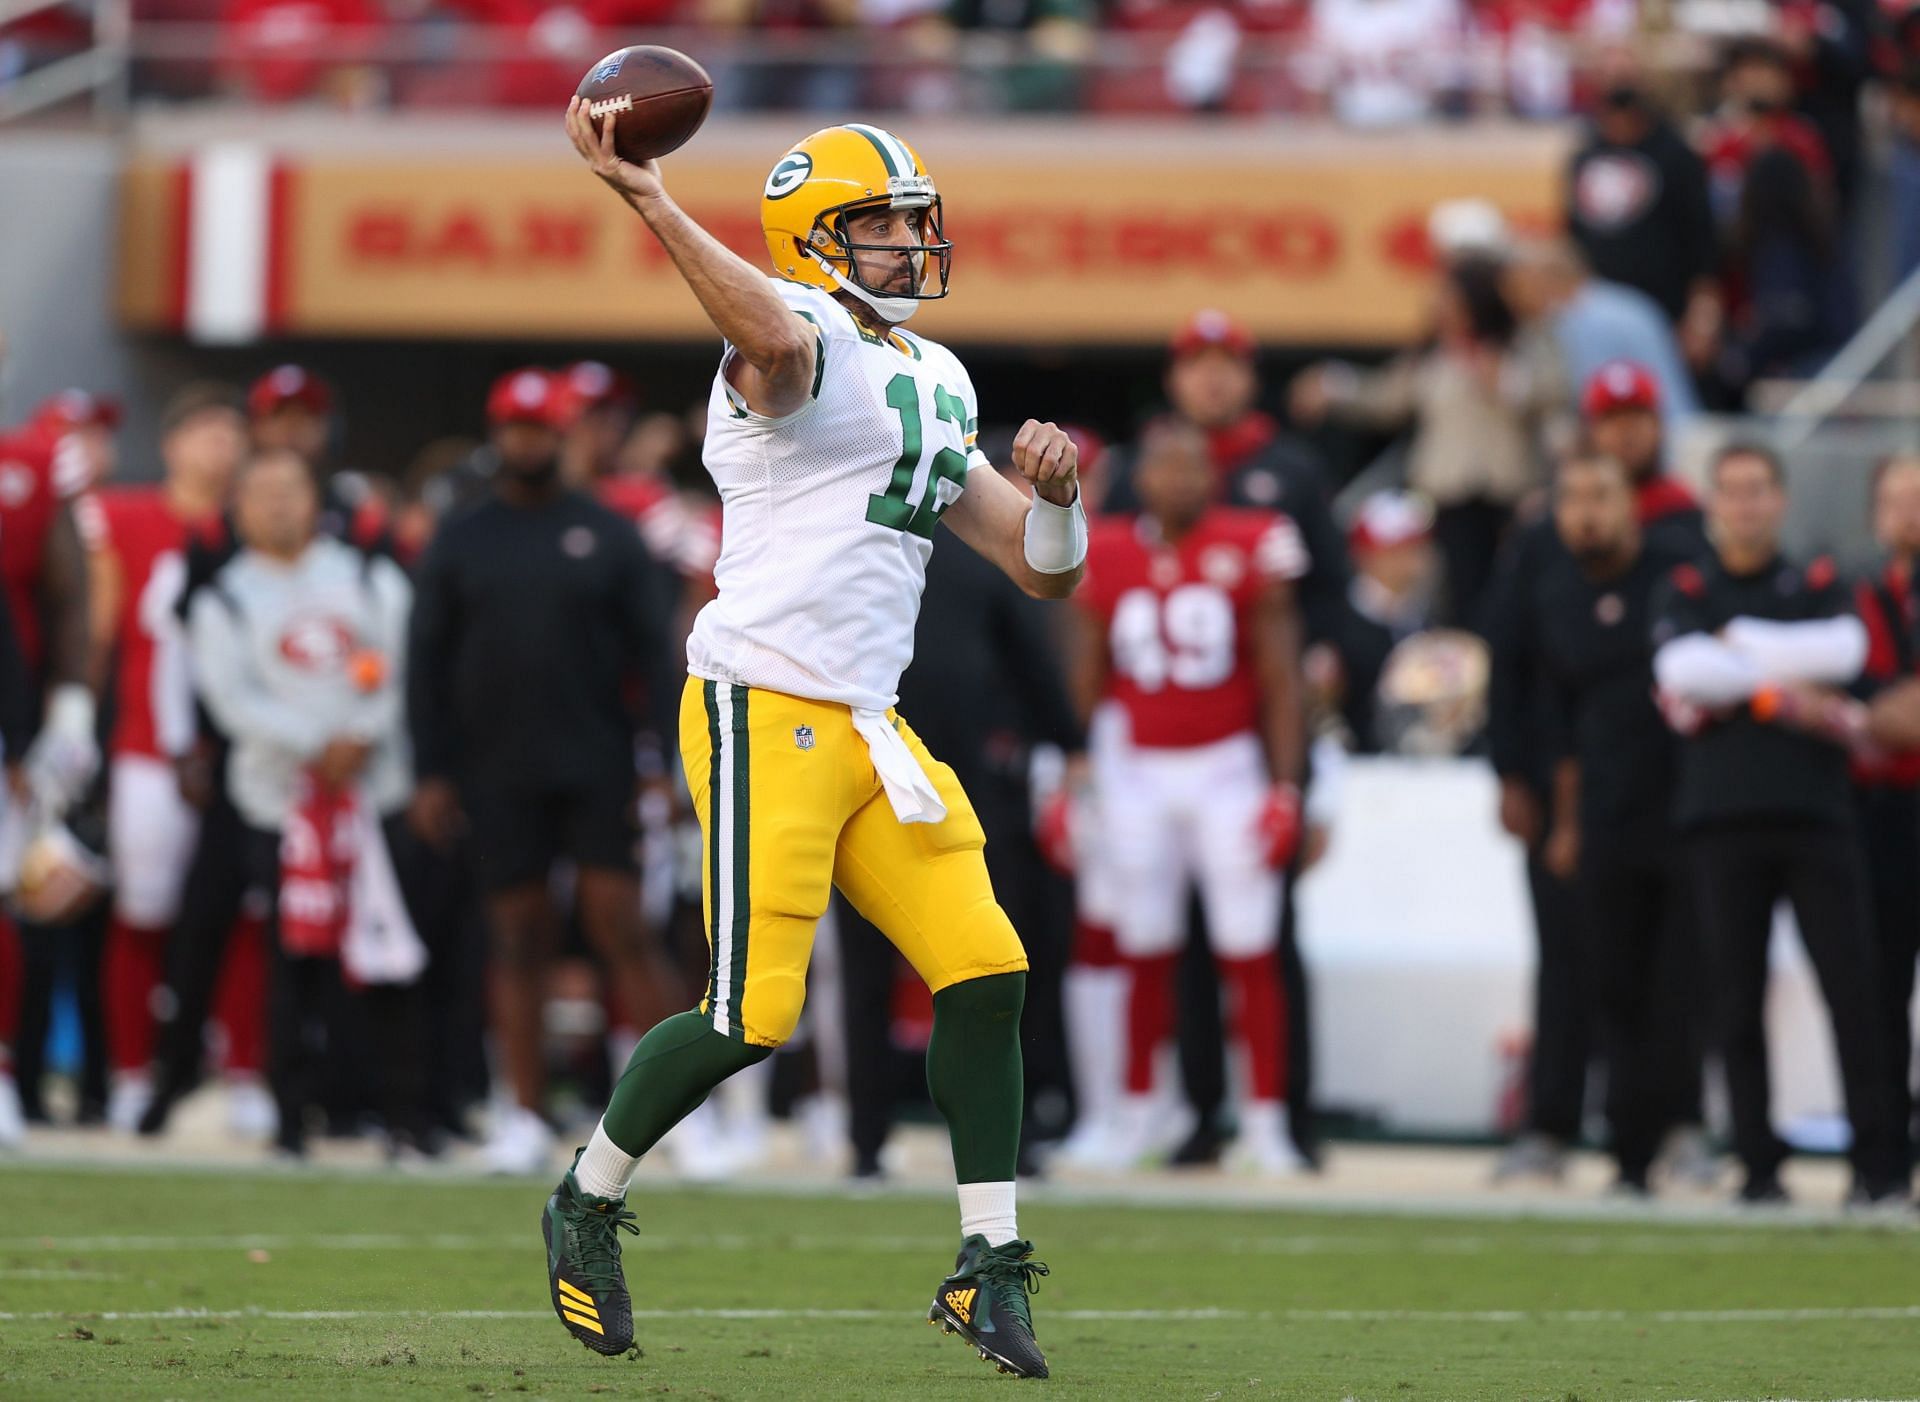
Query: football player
(44, 575)
(1188, 624)
(139, 569)
(839, 441)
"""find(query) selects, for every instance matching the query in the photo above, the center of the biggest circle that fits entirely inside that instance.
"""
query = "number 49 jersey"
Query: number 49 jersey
(829, 512)
(1179, 618)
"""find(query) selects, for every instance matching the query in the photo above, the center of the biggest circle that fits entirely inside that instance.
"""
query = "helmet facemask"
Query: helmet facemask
(933, 253)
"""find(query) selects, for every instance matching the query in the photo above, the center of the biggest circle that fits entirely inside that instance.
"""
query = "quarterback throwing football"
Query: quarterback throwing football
(839, 442)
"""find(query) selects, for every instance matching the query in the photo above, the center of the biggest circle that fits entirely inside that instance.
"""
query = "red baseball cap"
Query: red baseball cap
(530, 396)
(594, 384)
(289, 384)
(78, 408)
(1617, 385)
(1211, 329)
(1388, 519)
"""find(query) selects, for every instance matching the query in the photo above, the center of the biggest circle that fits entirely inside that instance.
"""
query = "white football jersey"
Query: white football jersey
(829, 512)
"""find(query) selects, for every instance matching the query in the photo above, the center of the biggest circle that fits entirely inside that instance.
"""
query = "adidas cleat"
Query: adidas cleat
(985, 1302)
(583, 1266)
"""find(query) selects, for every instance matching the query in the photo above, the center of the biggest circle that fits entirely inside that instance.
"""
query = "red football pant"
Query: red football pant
(1256, 1018)
(1149, 1017)
(1093, 945)
(132, 968)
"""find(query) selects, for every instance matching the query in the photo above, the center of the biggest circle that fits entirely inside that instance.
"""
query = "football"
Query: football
(657, 97)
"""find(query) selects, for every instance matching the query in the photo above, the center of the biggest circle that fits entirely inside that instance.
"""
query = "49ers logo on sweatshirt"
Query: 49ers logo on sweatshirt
(317, 643)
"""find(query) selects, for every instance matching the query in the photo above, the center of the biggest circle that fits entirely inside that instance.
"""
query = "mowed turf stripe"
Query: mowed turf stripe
(1294, 1316)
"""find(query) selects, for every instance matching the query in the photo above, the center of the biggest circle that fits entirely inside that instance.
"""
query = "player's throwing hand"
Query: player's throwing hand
(641, 181)
(1046, 457)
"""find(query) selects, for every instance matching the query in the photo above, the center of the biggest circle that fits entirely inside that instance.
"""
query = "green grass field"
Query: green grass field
(137, 1285)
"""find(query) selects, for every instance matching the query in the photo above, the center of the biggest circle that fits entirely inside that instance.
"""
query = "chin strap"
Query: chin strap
(894, 310)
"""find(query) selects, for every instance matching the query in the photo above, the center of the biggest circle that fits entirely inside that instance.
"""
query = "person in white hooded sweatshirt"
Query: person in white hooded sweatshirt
(296, 651)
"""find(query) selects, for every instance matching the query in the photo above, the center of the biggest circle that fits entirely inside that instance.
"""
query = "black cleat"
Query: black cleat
(985, 1302)
(583, 1266)
(1763, 1190)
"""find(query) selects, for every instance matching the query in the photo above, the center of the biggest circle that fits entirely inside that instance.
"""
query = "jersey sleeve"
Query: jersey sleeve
(1280, 551)
(828, 323)
(970, 430)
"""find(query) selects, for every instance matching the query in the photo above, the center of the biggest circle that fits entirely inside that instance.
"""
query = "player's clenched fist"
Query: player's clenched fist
(1046, 457)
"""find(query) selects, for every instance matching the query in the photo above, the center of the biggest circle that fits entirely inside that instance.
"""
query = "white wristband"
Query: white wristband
(1056, 540)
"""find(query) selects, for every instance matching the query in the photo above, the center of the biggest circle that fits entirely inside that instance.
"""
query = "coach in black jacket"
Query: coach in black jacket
(1768, 809)
(1589, 620)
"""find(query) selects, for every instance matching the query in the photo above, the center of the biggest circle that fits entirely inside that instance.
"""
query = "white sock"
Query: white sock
(1096, 1009)
(986, 1209)
(605, 1168)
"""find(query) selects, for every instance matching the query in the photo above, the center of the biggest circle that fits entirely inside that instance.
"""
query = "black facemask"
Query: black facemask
(1623, 97)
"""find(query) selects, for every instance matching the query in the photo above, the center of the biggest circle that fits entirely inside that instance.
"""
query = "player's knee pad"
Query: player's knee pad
(771, 1010)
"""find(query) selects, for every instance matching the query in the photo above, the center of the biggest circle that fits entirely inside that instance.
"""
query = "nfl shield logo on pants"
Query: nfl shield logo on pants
(803, 736)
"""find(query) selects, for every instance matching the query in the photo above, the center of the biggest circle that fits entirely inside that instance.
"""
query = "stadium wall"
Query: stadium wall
(1064, 235)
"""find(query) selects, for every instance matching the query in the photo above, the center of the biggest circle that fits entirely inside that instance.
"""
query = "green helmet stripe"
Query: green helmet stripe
(893, 153)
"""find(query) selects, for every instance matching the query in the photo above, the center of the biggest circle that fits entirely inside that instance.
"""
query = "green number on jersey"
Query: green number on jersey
(891, 508)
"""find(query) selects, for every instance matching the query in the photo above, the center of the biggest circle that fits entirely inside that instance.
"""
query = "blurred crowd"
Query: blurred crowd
(1365, 62)
(388, 833)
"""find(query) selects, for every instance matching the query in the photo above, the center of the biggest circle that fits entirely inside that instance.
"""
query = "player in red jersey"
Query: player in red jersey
(139, 555)
(1188, 625)
(43, 576)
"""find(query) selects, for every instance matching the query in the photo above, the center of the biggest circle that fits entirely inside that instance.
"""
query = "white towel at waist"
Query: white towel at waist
(909, 790)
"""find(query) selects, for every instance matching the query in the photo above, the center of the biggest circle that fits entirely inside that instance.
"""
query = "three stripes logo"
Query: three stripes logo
(961, 1303)
(577, 1307)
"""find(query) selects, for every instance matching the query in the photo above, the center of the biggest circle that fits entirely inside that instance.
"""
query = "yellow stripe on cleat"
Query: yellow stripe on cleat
(575, 1294)
(582, 1321)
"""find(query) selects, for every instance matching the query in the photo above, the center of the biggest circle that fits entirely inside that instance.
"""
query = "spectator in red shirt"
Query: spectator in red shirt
(1756, 114)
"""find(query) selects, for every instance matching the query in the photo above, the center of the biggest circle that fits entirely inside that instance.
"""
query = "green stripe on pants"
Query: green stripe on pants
(742, 861)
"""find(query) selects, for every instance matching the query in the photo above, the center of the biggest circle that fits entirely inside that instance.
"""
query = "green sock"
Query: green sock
(973, 1072)
(675, 1067)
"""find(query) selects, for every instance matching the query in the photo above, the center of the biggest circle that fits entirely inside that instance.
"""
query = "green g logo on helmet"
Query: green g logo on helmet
(789, 175)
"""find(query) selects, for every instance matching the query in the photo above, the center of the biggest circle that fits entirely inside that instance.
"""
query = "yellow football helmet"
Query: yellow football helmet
(836, 170)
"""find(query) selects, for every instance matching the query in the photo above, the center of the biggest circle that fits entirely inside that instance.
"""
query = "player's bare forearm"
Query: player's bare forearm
(991, 517)
(776, 344)
(736, 297)
(63, 587)
(1276, 663)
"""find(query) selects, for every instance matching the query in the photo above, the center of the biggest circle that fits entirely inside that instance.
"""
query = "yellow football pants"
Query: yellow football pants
(790, 806)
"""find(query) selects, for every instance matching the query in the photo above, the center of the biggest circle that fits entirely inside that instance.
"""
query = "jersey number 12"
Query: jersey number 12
(892, 508)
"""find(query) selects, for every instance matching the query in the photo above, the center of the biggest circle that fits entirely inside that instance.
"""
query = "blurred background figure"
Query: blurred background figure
(1637, 206)
(1595, 322)
(1886, 787)
(297, 647)
(1480, 402)
(1609, 831)
(139, 571)
(1768, 811)
(1189, 623)
(1395, 572)
(538, 614)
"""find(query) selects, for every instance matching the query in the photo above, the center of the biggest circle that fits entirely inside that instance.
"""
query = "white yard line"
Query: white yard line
(1693, 1243)
(1298, 1316)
